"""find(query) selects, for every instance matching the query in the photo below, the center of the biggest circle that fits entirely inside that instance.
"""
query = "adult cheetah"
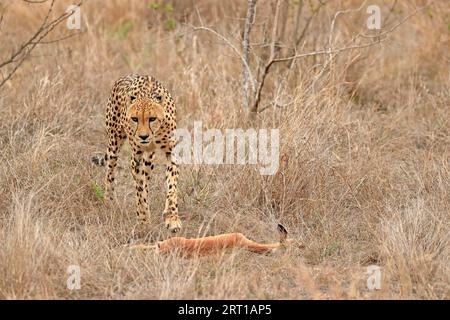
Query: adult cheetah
(141, 109)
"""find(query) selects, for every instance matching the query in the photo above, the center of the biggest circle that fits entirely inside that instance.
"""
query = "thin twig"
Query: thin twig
(345, 48)
(271, 58)
(329, 51)
(59, 39)
(249, 20)
(37, 38)
(236, 50)
(394, 4)
(35, 1)
(1, 20)
(308, 22)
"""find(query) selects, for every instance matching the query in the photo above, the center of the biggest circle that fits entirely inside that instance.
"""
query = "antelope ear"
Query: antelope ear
(156, 247)
(282, 232)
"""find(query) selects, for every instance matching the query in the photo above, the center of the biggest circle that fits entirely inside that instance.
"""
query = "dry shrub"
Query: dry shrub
(363, 174)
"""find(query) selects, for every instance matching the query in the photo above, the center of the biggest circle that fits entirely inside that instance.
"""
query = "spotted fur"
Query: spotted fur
(141, 109)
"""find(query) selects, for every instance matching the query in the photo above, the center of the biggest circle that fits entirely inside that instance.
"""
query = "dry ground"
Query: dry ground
(364, 174)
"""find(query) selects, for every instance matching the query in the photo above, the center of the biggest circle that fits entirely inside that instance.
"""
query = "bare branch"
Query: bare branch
(271, 58)
(329, 51)
(297, 20)
(35, 1)
(59, 39)
(394, 4)
(24, 51)
(1, 20)
(249, 20)
(272, 44)
(236, 50)
(274, 30)
(27, 43)
(298, 39)
(336, 15)
(325, 51)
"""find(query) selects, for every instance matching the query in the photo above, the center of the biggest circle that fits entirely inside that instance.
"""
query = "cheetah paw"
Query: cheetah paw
(173, 223)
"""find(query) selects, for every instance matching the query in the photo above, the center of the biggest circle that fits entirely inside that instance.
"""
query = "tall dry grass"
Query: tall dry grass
(364, 159)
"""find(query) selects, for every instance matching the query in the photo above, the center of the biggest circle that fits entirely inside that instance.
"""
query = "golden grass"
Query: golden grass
(364, 173)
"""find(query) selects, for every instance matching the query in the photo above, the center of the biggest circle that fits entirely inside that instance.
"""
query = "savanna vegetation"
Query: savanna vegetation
(364, 159)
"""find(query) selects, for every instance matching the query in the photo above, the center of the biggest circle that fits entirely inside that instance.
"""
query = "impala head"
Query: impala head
(145, 117)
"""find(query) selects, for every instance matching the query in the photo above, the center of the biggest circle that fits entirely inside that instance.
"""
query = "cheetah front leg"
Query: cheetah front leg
(115, 142)
(149, 165)
(171, 218)
(137, 170)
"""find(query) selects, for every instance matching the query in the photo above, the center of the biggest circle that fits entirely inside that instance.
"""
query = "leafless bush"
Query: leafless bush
(364, 169)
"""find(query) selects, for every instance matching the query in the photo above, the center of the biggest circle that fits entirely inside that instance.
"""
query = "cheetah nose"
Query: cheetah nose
(143, 137)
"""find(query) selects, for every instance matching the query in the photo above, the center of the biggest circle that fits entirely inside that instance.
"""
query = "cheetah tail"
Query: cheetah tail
(99, 160)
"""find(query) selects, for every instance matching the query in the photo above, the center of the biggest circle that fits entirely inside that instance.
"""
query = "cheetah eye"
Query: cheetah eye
(151, 119)
(132, 98)
(135, 119)
(159, 98)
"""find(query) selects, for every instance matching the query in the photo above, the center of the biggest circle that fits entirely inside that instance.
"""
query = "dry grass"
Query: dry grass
(364, 176)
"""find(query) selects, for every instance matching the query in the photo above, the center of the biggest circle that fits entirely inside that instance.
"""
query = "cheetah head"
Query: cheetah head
(145, 117)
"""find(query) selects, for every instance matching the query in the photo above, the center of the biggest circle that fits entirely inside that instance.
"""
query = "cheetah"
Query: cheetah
(141, 109)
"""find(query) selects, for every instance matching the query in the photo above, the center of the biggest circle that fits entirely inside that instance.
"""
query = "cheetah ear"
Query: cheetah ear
(132, 98)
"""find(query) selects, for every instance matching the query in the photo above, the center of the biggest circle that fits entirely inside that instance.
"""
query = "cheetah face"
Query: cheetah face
(145, 117)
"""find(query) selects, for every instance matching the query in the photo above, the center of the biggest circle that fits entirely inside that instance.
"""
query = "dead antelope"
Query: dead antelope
(203, 246)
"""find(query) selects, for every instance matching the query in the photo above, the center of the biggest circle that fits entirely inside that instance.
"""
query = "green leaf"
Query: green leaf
(97, 191)
(169, 8)
(153, 6)
(124, 28)
(171, 24)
